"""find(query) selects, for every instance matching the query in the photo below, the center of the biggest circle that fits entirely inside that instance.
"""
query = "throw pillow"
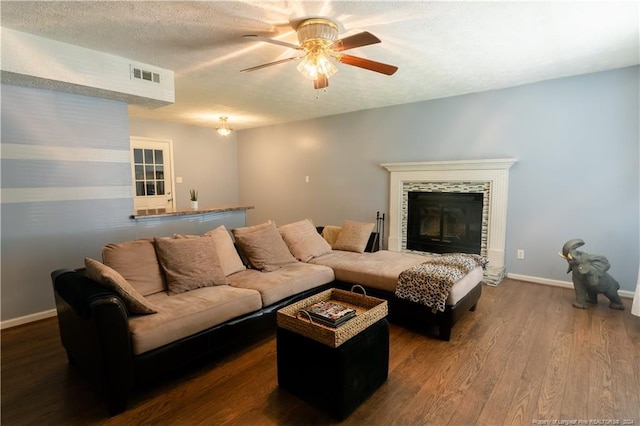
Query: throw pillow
(253, 228)
(303, 240)
(111, 279)
(353, 236)
(189, 263)
(330, 233)
(264, 247)
(137, 262)
(228, 255)
(247, 230)
(229, 258)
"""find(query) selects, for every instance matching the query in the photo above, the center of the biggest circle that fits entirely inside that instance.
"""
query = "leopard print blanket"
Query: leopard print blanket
(430, 282)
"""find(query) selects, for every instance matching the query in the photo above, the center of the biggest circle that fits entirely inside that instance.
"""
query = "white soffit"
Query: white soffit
(34, 61)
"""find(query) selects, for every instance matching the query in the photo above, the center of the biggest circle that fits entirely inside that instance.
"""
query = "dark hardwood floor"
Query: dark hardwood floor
(525, 356)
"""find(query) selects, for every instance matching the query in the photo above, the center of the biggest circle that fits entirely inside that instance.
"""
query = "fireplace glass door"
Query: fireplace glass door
(444, 222)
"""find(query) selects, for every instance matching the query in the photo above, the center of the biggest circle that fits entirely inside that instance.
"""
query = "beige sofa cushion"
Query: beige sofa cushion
(353, 236)
(289, 280)
(377, 270)
(264, 247)
(227, 253)
(303, 240)
(111, 279)
(137, 262)
(188, 313)
(330, 233)
(251, 229)
(189, 263)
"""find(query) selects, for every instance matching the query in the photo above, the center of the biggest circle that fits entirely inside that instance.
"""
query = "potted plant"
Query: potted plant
(193, 196)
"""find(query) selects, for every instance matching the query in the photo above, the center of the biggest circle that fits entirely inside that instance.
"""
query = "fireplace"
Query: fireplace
(444, 222)
(488, 177)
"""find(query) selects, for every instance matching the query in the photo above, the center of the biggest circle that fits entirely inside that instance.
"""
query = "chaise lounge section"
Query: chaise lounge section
(378, 273)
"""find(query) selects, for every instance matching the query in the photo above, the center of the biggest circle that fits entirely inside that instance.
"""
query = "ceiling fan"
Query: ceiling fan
(318, 38)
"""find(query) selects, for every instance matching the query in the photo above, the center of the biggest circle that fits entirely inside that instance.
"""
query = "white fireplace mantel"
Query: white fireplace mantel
(495, 172)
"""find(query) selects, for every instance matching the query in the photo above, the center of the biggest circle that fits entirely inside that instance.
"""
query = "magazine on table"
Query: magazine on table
(330, 313)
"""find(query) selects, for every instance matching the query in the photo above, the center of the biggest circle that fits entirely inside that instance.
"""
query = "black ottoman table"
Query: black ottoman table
(334, 379)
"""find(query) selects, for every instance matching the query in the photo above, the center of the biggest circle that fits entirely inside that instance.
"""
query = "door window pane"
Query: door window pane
(148, 156)
(137, 155)
(151, 188)
(158, 156)
(140, 189)
(160, 187)
(139, 172)
(159, 172)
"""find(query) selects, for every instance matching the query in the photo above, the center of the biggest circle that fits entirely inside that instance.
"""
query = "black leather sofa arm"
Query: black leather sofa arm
(94, 330)
(78, 290)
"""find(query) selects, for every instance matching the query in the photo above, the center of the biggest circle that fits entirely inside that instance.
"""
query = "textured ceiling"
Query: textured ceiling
(441, 48)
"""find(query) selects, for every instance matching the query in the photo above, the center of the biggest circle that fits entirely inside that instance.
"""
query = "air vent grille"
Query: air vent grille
(141, 74)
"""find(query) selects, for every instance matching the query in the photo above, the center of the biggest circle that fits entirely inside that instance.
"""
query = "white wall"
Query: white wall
(576, 139)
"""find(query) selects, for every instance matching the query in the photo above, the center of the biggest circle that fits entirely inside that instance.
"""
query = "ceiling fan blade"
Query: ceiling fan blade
(357, 40)
(321, 82)
(272, 41)
(367, 64)
(281, 61)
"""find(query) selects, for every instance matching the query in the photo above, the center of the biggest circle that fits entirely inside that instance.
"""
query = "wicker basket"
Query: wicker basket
(368, 311)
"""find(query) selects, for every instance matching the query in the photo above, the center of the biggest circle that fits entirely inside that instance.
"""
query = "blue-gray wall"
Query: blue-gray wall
(66, 191)
(576, 138)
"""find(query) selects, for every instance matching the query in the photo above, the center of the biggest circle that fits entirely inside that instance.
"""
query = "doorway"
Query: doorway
(152, 174)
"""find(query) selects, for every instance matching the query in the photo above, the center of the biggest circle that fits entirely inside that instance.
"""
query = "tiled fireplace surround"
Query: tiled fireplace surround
(490, 177)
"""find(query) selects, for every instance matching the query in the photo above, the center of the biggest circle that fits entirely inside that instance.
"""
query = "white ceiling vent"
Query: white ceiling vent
(141, 74)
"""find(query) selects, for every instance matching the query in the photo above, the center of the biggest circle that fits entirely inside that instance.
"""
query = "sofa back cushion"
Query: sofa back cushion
(189, 263)
(138, 263)
(303, 240)
(263, 246)
(111, 279)
(330, 233)
(353, 236)
(227, 253)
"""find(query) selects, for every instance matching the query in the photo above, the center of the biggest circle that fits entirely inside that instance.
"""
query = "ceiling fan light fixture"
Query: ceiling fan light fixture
(316, 36)
(313, 65)
(223, 128)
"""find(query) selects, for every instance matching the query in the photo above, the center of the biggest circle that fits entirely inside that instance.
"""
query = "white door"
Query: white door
(152, 172)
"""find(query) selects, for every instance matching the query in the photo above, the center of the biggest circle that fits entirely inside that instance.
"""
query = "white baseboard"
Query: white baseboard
(27, 319)
(558, 283)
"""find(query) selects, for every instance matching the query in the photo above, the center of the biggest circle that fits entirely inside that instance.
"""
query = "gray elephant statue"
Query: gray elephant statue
(589, 276)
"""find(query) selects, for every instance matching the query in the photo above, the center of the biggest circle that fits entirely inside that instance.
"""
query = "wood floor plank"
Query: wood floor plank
(575, 402)
(519, 349)
(526, 390)
(600, 379)
(526, 354)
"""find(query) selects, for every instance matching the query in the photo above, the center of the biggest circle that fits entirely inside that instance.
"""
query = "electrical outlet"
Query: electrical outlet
(520, 254)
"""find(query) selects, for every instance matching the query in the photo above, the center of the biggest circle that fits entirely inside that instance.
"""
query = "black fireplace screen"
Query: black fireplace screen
(444, 222)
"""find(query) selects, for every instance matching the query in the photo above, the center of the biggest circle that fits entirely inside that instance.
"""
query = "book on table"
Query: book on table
(330, 313)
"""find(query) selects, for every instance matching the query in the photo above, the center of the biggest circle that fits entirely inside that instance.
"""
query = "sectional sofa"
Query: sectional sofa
(155, 305)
